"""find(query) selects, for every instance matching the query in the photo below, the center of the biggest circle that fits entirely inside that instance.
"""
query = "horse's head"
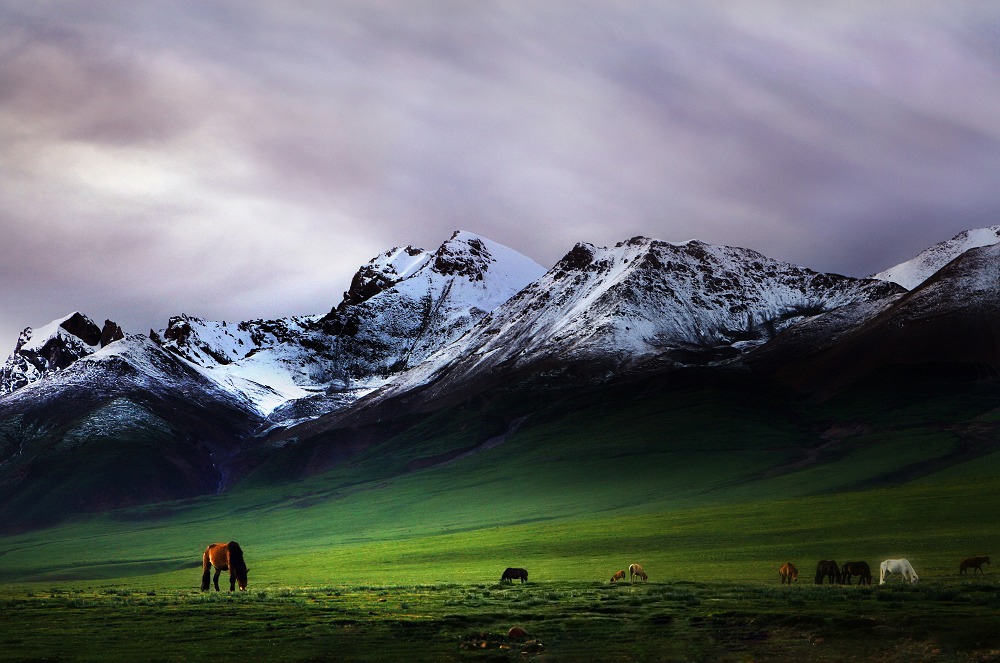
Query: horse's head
(241, 580)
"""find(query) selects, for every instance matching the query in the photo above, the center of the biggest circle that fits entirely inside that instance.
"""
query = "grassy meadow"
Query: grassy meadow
(396, 557)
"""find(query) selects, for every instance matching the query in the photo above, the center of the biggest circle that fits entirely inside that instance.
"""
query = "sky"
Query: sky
(240, 159)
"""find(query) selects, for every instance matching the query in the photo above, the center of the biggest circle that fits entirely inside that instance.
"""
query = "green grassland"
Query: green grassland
(396, 555)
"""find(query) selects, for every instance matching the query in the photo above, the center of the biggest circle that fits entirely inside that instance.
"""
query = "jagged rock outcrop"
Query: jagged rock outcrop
(53, 348)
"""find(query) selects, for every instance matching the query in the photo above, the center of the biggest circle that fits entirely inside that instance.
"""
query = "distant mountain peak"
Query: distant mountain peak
(915, 271)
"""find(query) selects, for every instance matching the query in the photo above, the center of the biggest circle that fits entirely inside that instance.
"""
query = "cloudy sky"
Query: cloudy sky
(236, 159)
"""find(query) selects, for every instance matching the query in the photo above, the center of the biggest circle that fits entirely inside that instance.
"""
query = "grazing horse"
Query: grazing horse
(827, 568)
(224, 556)
(900, 566)
(975, 563)
(510, 573)
(619, 575)
(636, 571)
(788, 573)
(860, 569)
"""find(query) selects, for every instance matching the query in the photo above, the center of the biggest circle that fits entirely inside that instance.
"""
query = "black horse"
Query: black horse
(859, 569)
(510, 573)
(827, 568)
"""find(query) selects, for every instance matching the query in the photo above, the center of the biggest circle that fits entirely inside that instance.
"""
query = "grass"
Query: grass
(563, 620)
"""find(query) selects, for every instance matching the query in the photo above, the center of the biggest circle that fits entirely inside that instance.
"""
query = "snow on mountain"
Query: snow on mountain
(608, 309)
(404, 305)
(913, 272)
(53, 347)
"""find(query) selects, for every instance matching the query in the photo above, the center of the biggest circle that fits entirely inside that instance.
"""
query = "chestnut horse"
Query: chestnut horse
(788, 573)
(619, 575)
(224, 557)
(860, 569)
(975, 563)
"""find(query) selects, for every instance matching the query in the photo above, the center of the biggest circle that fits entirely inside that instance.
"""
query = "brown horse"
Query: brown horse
(860, 569)
(224, 557)
(619, 575)
(788, 573)
(827, 568)
(510, 573)
(636, 571)
(975, 563)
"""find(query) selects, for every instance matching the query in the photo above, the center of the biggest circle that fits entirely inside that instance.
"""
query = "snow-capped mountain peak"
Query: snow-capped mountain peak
(915, 271)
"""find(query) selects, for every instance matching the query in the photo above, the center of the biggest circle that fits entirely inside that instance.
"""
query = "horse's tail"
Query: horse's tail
(206, 567)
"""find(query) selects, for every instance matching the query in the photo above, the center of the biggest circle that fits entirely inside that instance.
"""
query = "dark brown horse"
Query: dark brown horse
(827, 568)
(975, 563)
(510, 573)
(224, 557)
(859, 569)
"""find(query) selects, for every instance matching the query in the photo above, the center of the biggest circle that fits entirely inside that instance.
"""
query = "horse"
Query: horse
(860, 569)
(975, 563)
(827, 568)
(224, 556)
(619, 575)
(510, 573)
(788, 573)
(636, 571)
(900, 566)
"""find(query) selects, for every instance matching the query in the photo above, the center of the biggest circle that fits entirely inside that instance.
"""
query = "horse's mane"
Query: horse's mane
(236, 561)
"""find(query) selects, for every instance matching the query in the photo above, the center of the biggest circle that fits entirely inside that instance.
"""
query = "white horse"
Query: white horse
(900, 566)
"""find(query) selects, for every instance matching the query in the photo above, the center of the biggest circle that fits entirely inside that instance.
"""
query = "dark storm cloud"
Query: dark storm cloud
(241, 159)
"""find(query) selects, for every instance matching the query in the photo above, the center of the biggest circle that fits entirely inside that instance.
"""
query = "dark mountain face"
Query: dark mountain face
(949, 323)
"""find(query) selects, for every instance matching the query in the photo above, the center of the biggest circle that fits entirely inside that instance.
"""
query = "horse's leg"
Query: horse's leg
(206, 566)
(218, 572)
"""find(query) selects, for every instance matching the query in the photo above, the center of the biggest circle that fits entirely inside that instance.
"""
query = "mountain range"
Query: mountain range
(93, 419)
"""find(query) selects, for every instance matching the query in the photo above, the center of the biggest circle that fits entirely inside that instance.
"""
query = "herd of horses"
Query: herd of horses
(827, 569)
(229, 557)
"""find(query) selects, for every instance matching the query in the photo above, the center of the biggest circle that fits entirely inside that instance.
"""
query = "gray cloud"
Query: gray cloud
(241, 159)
